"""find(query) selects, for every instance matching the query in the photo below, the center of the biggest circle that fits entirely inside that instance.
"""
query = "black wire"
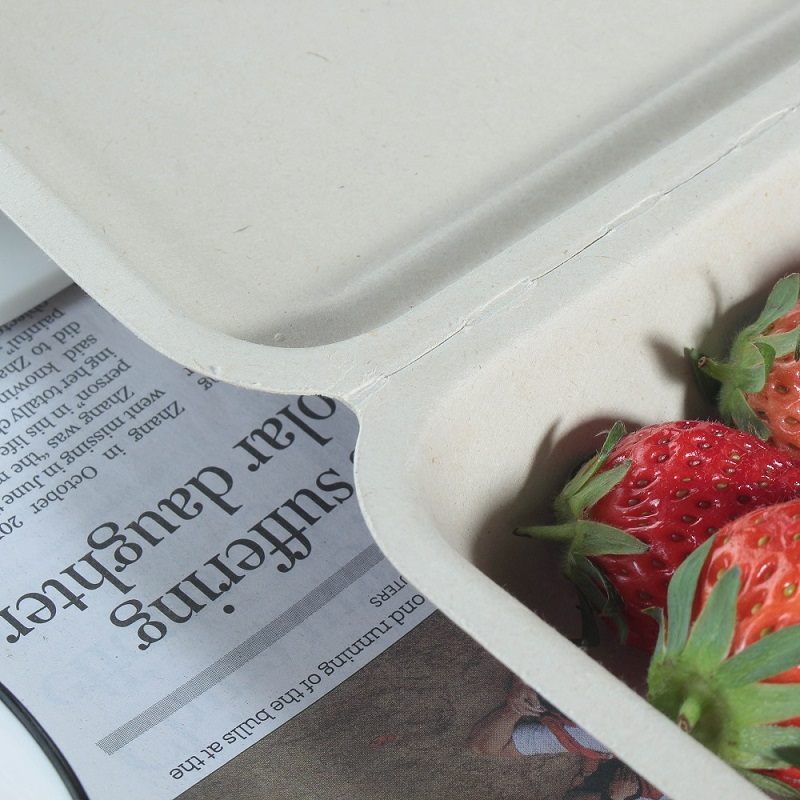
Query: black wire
(48, 746)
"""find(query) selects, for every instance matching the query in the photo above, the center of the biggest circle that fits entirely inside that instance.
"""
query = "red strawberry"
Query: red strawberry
(757, 388)
(732, 678)
(647, 499)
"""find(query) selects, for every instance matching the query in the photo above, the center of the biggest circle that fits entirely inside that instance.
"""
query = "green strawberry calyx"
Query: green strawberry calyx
(721, 699)
(747, 368)
(583, 537)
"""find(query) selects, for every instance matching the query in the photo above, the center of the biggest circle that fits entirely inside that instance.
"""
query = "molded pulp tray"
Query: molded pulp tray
(490, 229)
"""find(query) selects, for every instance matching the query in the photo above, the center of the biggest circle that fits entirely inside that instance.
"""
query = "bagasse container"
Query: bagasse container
(490, 229)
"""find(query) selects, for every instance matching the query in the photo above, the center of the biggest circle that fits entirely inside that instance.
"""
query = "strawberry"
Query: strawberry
(731, 677)
(646, 500)
(757, 389)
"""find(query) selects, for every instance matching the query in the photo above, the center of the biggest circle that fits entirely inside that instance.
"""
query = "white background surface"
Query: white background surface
(27, 275)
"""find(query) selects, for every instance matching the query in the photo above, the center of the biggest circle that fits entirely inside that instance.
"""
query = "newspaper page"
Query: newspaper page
(185, 567)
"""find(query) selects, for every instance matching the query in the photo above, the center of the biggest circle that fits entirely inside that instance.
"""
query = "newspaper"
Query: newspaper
(185, 567)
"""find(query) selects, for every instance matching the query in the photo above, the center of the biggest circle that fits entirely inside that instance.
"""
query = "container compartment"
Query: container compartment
(485, 429)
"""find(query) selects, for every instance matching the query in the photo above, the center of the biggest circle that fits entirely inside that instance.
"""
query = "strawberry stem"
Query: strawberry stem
(717, 698)
(747, 368)
(689, 713)
(582, 537)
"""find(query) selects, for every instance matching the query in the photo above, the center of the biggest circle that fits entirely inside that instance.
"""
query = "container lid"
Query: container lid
(308, 197)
